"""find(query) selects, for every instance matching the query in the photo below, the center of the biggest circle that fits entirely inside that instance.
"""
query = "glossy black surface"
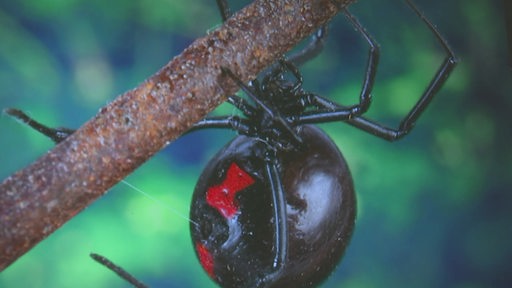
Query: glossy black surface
(320, 209)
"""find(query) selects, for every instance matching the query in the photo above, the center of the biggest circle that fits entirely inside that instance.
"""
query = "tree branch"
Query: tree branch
(37, 200)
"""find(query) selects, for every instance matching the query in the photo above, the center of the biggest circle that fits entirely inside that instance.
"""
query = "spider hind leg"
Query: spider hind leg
(408, 122)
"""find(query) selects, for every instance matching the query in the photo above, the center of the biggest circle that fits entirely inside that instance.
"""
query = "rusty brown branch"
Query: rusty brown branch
(37, 200)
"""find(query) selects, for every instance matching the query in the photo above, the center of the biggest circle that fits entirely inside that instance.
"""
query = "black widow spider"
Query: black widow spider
(278, 159)
(276, 206)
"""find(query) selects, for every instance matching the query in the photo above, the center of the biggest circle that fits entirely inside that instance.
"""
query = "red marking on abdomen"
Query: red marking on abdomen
(206, 259)
(222, 196)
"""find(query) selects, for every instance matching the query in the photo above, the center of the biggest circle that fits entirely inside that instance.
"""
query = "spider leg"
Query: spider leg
(436, 83)
(248, 91)
(439, 78)
(224, 9)
(233, 122)
(280, 216)
(230, 122)
(118, 270)
(330, 111)
(371, 66)
(242, 105)
(56, 134)
(240, 125)
(338, 112)
(312, 49)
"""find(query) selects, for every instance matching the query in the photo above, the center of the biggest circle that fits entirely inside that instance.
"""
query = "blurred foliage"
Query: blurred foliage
(434, 208)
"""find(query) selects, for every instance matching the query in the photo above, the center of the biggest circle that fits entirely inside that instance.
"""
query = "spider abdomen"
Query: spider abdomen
(232, 206)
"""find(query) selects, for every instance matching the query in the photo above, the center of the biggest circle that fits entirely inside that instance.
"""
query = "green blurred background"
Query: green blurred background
(435, 209)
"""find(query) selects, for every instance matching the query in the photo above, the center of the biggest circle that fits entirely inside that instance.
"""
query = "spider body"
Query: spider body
(280, 175)
(276, 206)
(320, 213)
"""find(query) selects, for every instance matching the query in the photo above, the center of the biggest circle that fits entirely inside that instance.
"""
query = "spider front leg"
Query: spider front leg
(225, 13)
(238, 124)
(313, 48)
(56, 134)
(235, 123)
(242, 105)
(280, 216)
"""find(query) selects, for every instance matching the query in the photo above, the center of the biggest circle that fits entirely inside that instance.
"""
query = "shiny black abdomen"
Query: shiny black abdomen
(321, 210)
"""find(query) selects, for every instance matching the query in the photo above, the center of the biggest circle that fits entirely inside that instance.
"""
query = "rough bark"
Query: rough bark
(37, 200)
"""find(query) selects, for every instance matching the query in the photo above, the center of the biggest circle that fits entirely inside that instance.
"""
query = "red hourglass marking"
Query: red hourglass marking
(222, 196)
(206, 259)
